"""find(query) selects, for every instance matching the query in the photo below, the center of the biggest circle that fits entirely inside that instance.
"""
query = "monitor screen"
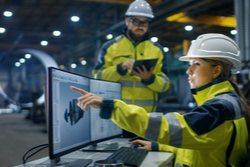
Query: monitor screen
(69, 127)
(103, 128)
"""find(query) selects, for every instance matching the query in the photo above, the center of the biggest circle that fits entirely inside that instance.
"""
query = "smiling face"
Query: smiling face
(201, 73)
(137, 32)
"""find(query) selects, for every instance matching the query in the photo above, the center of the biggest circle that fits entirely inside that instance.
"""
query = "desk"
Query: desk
(153, 159)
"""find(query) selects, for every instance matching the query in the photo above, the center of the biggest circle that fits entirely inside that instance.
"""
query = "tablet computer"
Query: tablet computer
(148, 63)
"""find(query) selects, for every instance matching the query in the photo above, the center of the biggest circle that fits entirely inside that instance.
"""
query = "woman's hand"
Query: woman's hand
(146, 144)
(87, 99)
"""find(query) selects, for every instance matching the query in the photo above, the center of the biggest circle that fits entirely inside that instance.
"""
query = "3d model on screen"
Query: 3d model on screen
(75, 113)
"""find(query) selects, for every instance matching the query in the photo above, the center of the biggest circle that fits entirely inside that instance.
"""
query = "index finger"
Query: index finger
(136, 141)
(82, 92)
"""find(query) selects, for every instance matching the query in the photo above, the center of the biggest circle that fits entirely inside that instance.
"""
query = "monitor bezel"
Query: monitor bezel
(52, 155)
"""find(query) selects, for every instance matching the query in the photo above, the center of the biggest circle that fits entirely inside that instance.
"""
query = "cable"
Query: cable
(34, 153)
(43, 147)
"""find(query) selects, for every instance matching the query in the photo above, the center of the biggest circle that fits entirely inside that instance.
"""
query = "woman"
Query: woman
(213, 134)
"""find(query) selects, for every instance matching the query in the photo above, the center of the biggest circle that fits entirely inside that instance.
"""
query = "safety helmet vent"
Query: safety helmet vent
(140, 8)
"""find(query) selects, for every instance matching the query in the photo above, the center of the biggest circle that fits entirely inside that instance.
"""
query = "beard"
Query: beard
(136, 37)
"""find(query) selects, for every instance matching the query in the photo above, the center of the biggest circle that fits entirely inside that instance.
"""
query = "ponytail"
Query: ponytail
(226, 73)
(244, 105)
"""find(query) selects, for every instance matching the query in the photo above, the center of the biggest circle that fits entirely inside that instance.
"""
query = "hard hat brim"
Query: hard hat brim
(234, 70)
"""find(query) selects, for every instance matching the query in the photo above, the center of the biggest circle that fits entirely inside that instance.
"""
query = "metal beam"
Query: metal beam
(242, 36)
(205, 19)
(126, 2)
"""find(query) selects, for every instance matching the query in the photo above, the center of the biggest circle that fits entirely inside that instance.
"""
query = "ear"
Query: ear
(217, 71)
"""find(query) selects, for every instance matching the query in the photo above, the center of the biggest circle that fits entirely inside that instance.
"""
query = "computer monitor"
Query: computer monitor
(103, 128)
(69, 127)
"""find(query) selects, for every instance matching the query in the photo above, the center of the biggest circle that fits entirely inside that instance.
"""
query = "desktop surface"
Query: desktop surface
(153, 158)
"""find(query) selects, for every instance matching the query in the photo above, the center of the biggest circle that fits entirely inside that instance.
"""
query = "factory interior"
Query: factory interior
(68, 34)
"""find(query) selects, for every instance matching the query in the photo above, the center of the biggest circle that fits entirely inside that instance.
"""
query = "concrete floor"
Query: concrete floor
(18, 135)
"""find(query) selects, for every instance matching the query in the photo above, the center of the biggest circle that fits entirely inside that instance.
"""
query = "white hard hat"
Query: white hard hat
(217, 46)
(140, 8)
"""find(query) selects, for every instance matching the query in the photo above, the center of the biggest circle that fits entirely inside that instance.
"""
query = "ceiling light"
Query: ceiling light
(73, 65)
(188, 28)
(7, 13)
(75, 18)
(17, 64)
(109, 36)
(154, 39)
(27, 56)
(22, 60)
(44, 43)
(56, 33)
(84, 62)
(2, 30)
(166, 49)
(233, 32)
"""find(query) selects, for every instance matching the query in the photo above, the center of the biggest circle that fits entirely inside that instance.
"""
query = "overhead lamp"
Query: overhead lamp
(2, 30)
(154, 39)
(7, 13)
(75, 18)
(83, 62)
(73, 65)
(109, 36)
(17, 64)
(56, 33)
(22, 60)
(44, 43)
(166, 49)
(188, 28)
(27, 56)
(233, 32)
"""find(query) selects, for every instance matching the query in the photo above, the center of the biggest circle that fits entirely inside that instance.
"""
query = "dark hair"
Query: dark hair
(226, 72)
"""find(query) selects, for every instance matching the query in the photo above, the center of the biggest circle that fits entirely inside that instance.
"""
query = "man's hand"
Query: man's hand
(146, 144)
(87, 99)
(144, 74)
(128, 64)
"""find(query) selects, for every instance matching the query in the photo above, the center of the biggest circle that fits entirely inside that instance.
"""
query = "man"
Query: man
(117, 57)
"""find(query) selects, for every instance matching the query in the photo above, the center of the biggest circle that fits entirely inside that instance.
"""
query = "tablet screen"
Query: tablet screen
(148, 63)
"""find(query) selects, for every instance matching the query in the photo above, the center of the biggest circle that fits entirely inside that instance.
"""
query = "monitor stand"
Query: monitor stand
(66, 162)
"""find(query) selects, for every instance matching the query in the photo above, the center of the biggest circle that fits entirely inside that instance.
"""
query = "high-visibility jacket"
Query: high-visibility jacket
(212, 134)
(134, 90)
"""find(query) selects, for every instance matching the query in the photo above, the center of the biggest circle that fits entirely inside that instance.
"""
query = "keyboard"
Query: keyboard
(130, 156)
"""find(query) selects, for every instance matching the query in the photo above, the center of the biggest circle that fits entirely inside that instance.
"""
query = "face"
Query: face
(201, 73)
(135, 31)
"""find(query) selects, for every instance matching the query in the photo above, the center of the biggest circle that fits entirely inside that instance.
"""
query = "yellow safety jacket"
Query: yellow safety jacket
(134, 90)
(214, 134)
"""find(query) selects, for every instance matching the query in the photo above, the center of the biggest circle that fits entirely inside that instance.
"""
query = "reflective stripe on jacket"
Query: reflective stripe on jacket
(134, 90)
(212, 134)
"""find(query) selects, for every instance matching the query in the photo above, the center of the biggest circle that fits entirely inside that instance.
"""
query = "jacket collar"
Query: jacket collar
(210, 90)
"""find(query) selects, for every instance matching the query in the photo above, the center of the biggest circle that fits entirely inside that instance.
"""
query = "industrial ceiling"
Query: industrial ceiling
(34, 21)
